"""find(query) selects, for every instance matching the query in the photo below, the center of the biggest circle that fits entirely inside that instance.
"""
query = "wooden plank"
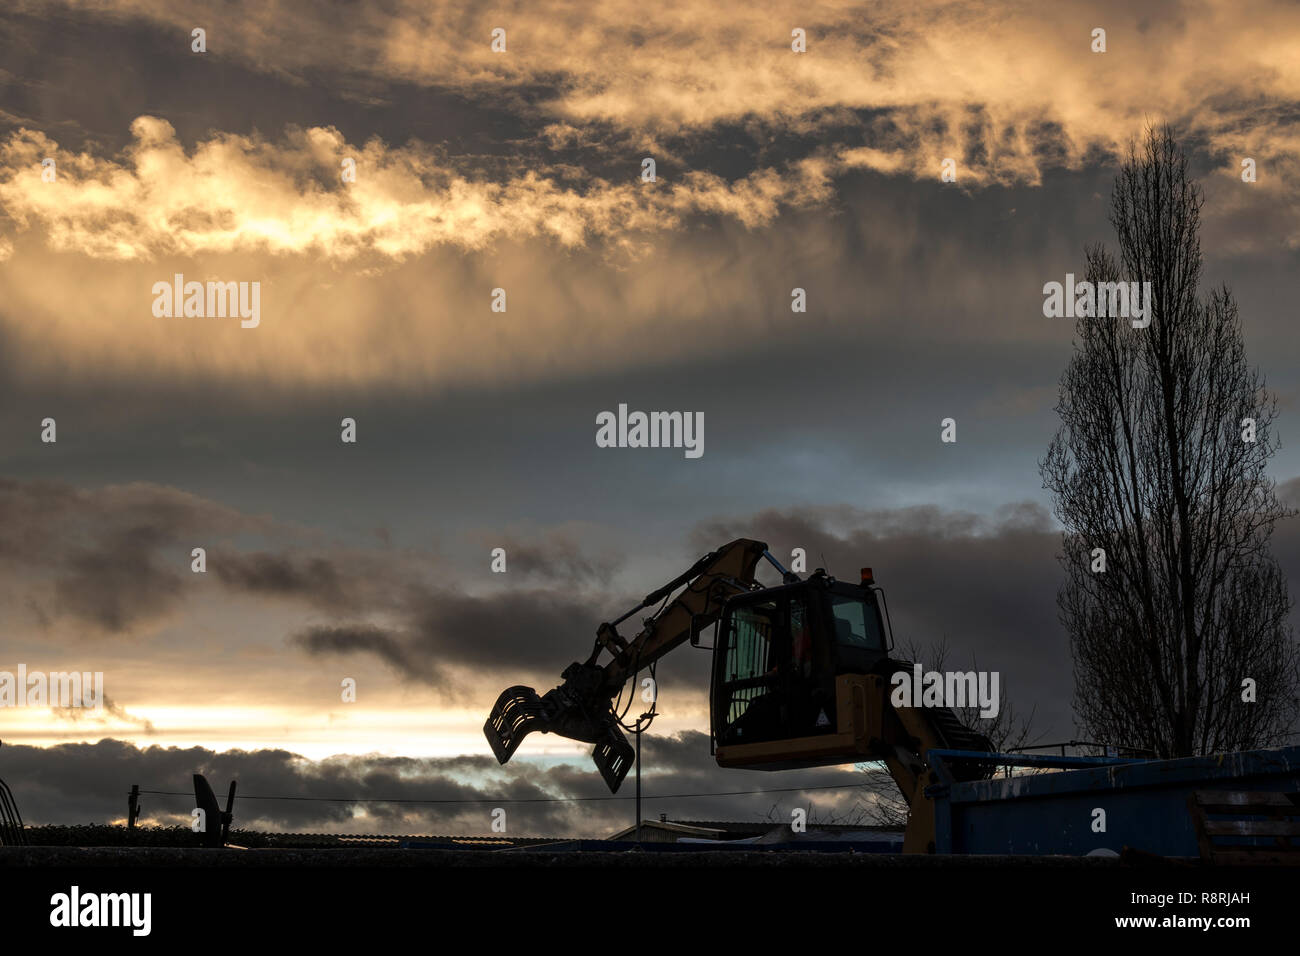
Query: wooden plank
(1247, 828)
(1235, 801)
(1272, 813)
(1271, 857)
(1255, 848)
(1258, 815)
(1198, 824)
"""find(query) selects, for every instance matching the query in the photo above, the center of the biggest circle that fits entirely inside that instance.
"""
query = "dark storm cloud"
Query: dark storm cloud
(89, 782)
(115, 585)
(315, 579)
(386, 645)
(109, 558)
(985, 586)
(516, 631)
(55, 60)
(118, 558)
(557, 558)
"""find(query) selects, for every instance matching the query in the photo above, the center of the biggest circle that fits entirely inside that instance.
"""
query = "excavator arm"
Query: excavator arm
(581, 708)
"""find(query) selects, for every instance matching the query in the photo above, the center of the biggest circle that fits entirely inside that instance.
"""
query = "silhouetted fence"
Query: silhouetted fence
(11, 821)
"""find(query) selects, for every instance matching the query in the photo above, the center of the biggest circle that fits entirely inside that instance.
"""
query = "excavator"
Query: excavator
(801, 678)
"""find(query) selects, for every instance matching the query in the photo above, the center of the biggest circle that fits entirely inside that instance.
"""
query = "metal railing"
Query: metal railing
(1114, 750)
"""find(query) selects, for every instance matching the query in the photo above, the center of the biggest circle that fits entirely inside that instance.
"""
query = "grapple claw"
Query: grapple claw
(574, 713)
(613, 757)
(517, 713)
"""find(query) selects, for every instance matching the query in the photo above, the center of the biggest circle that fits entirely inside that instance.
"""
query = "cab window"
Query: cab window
(856, 624)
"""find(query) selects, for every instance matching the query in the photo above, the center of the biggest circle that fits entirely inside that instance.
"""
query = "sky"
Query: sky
(522, 170)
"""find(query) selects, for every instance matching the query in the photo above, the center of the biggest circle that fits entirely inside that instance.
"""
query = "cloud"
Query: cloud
(111, 558)
(443, 631)
(386, 645)
(78, 715)
(594, 88)
(235, 193)
(335, 581)
(88, 782)
(556, 558)
(116, 561)
(997, 576)
(984, 584)
(1007, 89)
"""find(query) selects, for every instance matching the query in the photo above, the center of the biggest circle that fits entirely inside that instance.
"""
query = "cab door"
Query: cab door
(748, 656)
(773, 676)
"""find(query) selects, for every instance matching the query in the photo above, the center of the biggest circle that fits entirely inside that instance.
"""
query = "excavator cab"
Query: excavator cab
(778, 655)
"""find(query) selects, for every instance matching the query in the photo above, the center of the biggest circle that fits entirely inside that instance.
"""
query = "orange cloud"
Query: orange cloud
(1005, 88)
(242, 194)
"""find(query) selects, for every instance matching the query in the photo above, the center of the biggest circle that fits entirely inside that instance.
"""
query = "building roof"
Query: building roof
(766, 825)
(309, 840)
(737, 830)
(695, 831)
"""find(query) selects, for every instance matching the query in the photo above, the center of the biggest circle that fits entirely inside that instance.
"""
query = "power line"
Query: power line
(493, 800)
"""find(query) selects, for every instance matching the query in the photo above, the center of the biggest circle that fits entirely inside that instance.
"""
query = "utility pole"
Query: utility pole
(638, 782)
(641, 723)
(133, 807)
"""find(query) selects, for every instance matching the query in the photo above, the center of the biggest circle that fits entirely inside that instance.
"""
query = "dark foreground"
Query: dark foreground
(309, 895)
(144, 857)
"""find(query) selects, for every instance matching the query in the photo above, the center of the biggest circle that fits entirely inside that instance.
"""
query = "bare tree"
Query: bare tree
(1173, 603)
(855, 816)
(1007, 730)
